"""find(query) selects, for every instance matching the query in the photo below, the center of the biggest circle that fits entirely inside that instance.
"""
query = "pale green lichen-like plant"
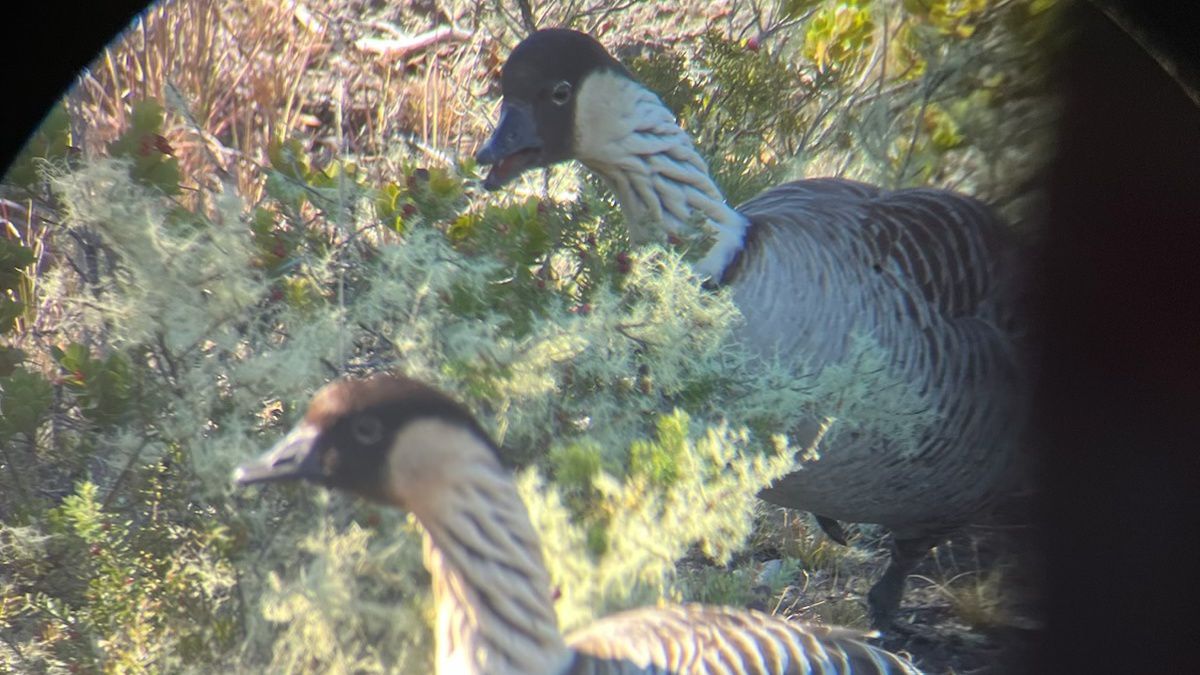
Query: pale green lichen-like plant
(649, 428)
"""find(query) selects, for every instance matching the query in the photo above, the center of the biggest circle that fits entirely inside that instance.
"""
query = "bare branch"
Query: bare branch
(401, 47)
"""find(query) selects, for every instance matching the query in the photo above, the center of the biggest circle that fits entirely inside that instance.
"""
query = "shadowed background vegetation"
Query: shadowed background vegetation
(238, 201)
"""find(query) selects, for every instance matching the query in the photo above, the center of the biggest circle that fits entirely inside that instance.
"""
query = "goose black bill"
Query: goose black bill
(513, 148)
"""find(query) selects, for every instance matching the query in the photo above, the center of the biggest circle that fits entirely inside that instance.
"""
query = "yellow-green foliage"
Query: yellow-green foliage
(652, 516)
(643, 483)
(359, 603)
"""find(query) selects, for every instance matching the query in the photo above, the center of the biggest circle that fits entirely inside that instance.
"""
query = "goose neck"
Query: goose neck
(625, 134)
(490, 585)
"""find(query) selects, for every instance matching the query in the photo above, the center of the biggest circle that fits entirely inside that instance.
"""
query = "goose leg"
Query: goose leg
(884, 597)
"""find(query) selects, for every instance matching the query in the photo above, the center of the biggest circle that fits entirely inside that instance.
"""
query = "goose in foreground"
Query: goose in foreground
(400, 442)
(928, 274)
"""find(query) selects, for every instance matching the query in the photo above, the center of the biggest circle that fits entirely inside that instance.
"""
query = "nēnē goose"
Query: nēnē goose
(400, 442)
(927, 273)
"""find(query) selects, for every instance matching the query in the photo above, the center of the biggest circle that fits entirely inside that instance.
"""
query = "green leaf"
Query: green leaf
(288, 158)
(659, 460)
(103, 387)
(575, 465)
(14, 258)
(144, 144)
(27, 397)
(10, 358)
(10, 311)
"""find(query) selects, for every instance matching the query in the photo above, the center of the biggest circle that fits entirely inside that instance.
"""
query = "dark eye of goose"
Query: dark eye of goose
(367, 429)
(561, 93)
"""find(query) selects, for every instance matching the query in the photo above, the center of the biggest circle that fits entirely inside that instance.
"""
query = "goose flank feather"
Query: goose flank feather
(930, 275)
(400, 442)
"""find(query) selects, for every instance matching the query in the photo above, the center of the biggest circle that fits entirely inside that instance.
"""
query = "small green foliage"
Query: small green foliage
(951, 18)
(274, 246)
(289, 159)
(839, 35)
(666, 73)
(479, 378)
(737, 587)
(392, 206)
(156, 587)
(575, 465)
(103, 387)
(27, 398)
(14, 258)
(10, 358)
(10, 311)
(151, 156)
(15, 261)
(658, 461)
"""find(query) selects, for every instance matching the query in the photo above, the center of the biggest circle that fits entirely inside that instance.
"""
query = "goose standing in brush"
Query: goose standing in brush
(400, 442)
(928, 274)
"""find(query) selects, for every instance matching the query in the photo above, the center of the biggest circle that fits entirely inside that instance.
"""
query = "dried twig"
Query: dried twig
(401, 47)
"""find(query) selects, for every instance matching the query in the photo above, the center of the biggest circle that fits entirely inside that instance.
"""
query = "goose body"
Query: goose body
(929, 275)
(400, 442)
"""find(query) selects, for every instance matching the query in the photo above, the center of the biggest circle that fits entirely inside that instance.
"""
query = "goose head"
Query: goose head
(386, 438)
(541, 85)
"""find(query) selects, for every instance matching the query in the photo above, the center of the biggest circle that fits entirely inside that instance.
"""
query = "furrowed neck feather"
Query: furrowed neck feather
(624, 133)
(490, 585)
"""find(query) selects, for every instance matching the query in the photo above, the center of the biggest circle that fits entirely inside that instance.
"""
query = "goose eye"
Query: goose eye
(367, 429)
(561, 93)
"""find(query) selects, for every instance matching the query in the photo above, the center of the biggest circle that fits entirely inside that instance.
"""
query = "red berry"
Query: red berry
(408, 210)
(94, 549)
(624, 263)
(163, 146)
(752, 44)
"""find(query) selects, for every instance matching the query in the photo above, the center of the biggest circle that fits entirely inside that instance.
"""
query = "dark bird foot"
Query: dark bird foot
(884, 597)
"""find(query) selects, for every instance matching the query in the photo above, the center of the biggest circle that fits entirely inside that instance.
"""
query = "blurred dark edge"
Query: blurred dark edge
(1118, 405)
(46, 44)
(1119, 397)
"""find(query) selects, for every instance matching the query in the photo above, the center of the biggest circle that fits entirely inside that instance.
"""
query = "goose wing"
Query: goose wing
(723, 641)
(948, 250)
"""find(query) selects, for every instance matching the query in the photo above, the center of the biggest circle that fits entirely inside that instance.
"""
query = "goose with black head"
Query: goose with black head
(929, 275)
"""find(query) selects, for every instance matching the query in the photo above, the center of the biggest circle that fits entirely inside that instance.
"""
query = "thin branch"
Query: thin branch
(527, 17)
(402, 47)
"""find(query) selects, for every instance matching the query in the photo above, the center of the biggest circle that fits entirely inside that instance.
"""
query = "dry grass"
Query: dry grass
(237, 69)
